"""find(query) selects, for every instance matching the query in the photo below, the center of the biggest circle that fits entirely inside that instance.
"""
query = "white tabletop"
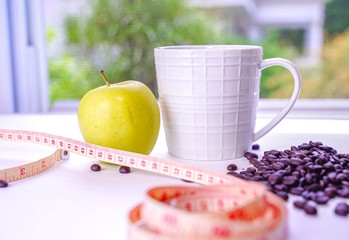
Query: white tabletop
(70, 201)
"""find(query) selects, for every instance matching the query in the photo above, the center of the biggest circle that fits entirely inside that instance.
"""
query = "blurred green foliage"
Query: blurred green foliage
(336, 16)
(119, 36)
(330, 78)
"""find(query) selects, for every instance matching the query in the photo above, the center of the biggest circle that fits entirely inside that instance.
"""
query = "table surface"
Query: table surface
(70, 201)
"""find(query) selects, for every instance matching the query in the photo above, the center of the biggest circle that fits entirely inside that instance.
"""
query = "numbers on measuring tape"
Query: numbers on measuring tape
(22, 171)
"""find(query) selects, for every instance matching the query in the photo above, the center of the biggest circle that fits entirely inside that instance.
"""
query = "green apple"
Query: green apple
(123, 116)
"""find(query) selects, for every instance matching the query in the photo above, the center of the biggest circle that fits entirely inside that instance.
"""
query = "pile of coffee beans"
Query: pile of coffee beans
(314, 171)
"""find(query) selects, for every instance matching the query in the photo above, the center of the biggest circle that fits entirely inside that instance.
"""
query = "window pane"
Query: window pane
(118, 36)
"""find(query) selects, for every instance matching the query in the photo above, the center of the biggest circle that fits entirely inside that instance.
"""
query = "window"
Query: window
(25, 79)
(54, 50)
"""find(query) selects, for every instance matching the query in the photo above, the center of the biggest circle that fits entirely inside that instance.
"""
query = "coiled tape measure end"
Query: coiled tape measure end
(227, 208)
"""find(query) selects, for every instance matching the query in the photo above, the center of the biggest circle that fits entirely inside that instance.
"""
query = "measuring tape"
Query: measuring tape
(225, 207)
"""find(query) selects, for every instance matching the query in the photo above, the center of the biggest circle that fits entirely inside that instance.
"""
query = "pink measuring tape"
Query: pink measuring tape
(225, 207)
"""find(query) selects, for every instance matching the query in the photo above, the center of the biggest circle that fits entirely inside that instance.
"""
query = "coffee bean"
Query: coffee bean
(307, 195)
(310, 209)
(185, 180)
(3, 184)
(314, 187)
(296, 161)
(320, 198)
(299, 204)
(235, 174)
(342, 209)
(326, 148)
(282, 194)
(253, 161)
(274, 179)
(328, 166)
(341, 177)
(255, 146)
(250, 155)
(124, 169)
(232, 167)
(281, 187)
(251, 170)
(344, 192)
(297, 190)
(277, 166)
(289, 180)
(330, 191)
(296, 174)
(96, 167)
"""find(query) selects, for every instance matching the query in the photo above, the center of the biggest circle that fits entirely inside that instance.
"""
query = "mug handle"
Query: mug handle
(296, 91)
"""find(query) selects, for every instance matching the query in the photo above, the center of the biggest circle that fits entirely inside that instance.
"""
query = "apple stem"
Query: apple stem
(105, 78)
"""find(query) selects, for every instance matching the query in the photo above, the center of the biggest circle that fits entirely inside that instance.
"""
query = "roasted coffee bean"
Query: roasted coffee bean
(255, 146)
(232, 167)
(344, 192)
(296, 174)
(315, 168)
(274, 179)
(281, 187)
(253, 161)
(185, 180)
(345, 183)
(289, 180)
(264, 161)
(342, 209)
(328, 166)
(297, 190)
(249, 155)
(281, 172)
(326, 148)
(96, 167)
(341, 177)
(277, 166)
(330, 191)
(248, 175)
(321, 160)
(282, 194)
(251, 170)
(296, 161)
(310, 209)
(307, 195)
(263, 168)
(314, 187)
(124, 169)
(332, 176)
(338, 166)
(304, 146)
(320, 198)
(3, 184)
(299, 204)
(235, 174)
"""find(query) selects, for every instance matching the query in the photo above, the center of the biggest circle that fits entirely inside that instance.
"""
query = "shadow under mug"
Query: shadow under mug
(208, 97)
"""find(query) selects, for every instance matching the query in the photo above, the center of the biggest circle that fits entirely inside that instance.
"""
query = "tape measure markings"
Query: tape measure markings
(226, 208)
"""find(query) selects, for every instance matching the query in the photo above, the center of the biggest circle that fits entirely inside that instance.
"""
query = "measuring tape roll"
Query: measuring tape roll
(225, 208)
(229, 211)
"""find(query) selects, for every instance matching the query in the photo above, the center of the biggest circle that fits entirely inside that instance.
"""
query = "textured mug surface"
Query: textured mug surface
(208, 97)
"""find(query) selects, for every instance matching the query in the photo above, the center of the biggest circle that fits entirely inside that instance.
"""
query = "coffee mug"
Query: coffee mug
(208, 98)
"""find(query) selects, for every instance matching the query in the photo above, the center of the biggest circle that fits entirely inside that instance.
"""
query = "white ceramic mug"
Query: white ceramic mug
(208, 97)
